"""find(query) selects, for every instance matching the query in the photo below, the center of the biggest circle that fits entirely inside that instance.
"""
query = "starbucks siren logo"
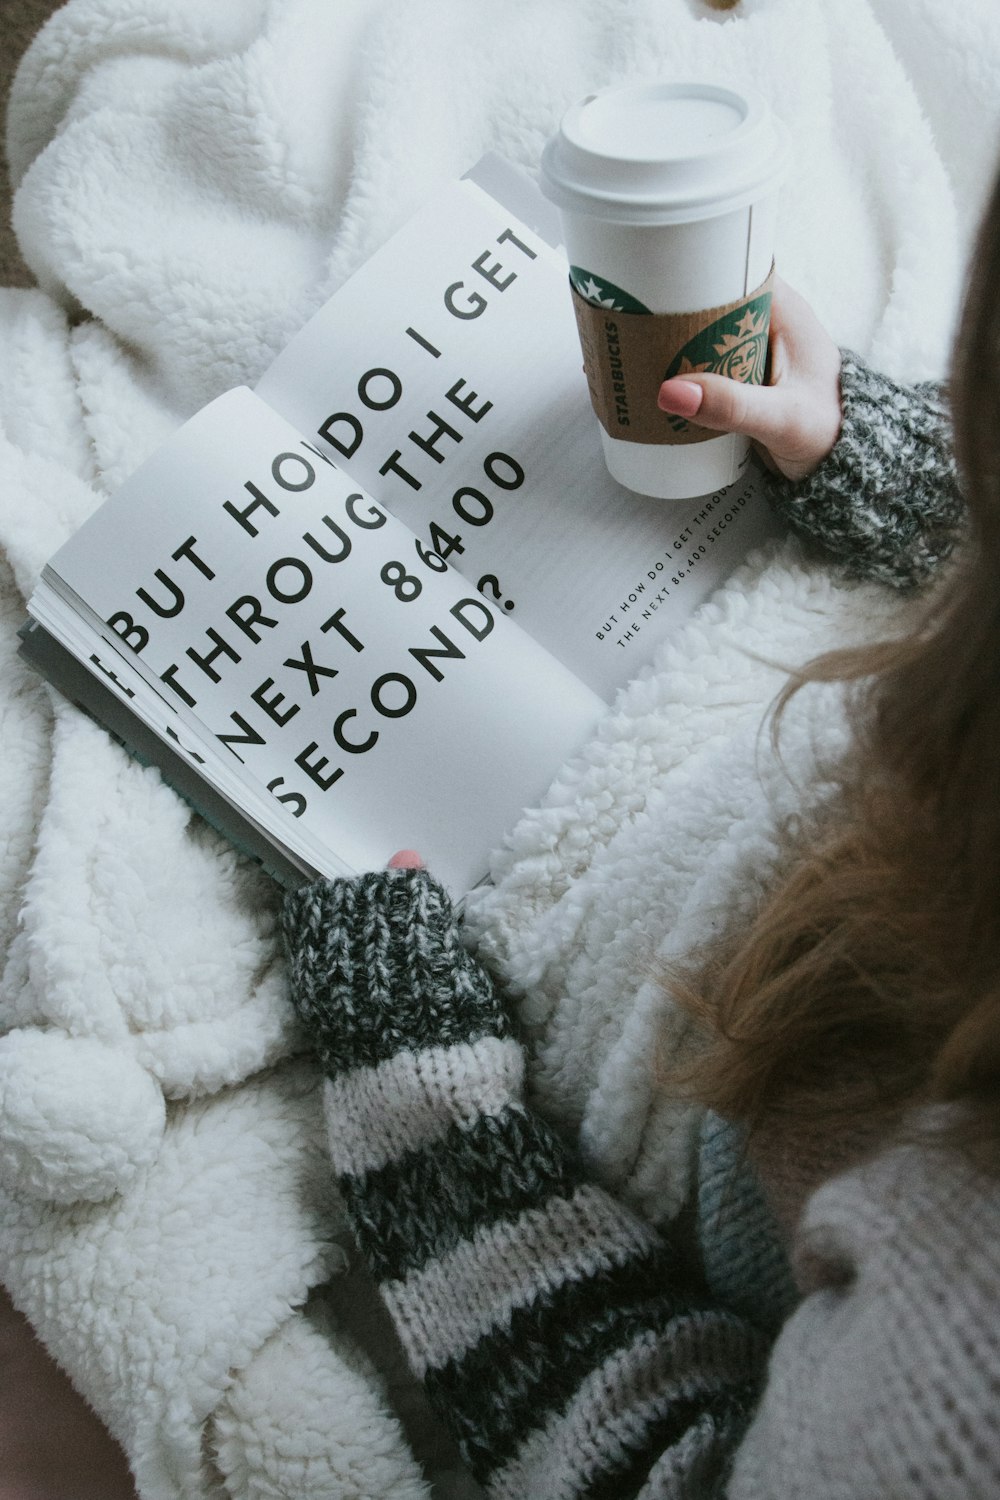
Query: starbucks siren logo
(600, 292)
(734, 345)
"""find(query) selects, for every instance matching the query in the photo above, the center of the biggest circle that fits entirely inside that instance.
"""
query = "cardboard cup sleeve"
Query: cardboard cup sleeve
(628, 355)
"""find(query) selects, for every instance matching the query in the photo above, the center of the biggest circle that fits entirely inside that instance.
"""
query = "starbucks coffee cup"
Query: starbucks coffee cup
(667, 193)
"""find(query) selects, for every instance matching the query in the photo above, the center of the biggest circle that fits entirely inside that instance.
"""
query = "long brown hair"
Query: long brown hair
(870, 980)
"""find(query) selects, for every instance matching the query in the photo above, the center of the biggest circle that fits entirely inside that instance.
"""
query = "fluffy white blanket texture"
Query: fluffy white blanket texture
(192, 181)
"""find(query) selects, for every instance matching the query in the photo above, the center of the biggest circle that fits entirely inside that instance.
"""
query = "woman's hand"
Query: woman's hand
(795, 420)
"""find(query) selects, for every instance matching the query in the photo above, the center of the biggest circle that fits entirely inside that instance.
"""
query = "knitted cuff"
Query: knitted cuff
(885, 502)
(377, 968)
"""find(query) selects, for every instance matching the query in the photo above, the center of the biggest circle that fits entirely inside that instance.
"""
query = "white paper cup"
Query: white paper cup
(667, 194)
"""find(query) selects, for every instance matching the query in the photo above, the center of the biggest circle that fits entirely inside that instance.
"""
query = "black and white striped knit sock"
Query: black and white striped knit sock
(550, 1325)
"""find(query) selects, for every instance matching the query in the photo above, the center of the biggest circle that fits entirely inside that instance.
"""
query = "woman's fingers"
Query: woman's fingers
(795, 419)
(760, 412)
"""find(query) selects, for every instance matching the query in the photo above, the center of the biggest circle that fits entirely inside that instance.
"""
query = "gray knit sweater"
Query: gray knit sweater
(573, 1350)
(884, 504)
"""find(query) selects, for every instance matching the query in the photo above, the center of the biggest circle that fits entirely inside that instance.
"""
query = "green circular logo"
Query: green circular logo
(734, 345)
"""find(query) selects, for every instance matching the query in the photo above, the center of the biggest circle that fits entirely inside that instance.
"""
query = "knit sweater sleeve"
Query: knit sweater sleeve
(883, 1381)
(554, 1330)
(885, 503)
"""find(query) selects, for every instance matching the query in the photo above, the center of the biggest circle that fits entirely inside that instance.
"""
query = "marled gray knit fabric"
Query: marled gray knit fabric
(885, 503)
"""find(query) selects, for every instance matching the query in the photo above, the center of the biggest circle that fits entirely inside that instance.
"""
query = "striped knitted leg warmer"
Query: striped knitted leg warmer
(549, 1324)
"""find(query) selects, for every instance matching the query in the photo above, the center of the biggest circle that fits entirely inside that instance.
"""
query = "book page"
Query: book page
(304, 639)
(446, 376)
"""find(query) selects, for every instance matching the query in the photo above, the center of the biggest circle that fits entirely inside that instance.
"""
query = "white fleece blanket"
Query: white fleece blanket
(193, 179)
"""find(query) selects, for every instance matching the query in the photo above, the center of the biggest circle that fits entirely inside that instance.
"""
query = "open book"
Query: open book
(377, 601)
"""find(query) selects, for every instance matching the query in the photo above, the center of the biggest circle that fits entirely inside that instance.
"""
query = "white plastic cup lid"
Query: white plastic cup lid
(664, 153)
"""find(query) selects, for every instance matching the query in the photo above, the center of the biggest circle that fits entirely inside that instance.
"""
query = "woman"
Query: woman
(853, 1034)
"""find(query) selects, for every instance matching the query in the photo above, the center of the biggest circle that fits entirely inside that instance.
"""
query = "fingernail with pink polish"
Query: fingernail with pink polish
(406, 859)
(681, 397)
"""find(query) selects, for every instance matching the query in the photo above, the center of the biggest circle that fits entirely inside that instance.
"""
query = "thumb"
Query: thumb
(760, 412)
